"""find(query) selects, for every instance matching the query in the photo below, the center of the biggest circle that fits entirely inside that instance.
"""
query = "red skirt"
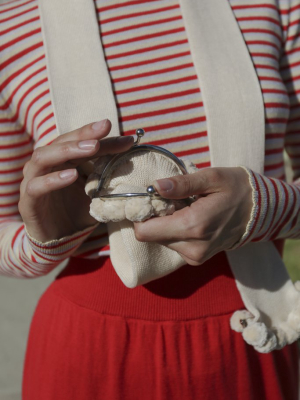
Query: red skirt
(92, 338)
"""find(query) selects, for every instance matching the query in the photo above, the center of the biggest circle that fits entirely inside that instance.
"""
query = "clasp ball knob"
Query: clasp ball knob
(139, 133)
(152, 192)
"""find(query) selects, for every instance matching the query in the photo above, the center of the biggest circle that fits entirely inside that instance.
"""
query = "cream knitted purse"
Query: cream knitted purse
(136, 263)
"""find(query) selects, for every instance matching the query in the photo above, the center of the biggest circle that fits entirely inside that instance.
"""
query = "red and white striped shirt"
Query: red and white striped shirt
(156, 87)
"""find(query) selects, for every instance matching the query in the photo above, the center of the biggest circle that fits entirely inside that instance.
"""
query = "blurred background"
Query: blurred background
(292, 258)
(18, 298)
(292, 247)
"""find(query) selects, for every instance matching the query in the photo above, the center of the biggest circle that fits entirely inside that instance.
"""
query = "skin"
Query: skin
(216, 221)
(53, 203)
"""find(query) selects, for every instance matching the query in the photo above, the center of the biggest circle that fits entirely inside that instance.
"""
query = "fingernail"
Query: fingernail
(87, 144)
(67, 174)
(98, 126)
(164, 185)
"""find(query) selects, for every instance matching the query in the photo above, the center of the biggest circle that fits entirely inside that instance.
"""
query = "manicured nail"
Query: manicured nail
(98, 126)
(67, 174)
(87, 144)
(165, 185)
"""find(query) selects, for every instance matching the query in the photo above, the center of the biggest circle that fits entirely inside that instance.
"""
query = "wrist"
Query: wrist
(251, 210)
(54, 251)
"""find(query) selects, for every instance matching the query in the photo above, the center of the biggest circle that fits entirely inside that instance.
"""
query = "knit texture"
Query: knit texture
(276, 209)
(135, 262)
(133, 173)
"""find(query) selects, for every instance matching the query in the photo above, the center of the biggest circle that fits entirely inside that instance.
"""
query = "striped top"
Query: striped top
(156, 87)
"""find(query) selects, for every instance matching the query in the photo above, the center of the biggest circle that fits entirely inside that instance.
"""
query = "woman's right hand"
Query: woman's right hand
(53, 203)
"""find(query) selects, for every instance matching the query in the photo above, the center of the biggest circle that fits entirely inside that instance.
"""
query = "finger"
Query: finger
(170, 228)
(43, 185)
(114, 145)
(187, 259)
(95, 130)
(189, 223)
(73, 153)
(46, 157)
(204, 181)
(179, 247)
(194, 252)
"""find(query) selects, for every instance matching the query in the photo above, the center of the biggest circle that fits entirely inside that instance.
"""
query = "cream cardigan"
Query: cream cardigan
(235, 118)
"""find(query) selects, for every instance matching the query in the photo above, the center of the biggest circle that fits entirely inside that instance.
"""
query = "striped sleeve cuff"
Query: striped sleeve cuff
(54, 251)
(276, 209)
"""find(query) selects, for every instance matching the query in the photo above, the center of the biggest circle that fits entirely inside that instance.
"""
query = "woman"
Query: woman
(91, 337)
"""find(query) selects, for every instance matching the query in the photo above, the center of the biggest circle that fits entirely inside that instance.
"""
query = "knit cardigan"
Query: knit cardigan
(224, 100)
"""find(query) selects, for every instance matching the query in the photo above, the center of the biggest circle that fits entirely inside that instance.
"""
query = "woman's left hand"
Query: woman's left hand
(216, 221)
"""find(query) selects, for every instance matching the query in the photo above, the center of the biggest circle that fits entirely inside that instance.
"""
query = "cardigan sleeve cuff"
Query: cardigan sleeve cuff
(275, 212)
(254, 212)
(55, 251)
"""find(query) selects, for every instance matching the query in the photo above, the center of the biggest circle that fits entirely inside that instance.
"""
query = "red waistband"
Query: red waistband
(188, 293)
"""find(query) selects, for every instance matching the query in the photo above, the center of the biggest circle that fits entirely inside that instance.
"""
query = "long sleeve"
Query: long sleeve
(276, 210)
(21, 255)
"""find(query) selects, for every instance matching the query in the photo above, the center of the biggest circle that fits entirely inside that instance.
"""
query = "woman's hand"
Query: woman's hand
(53, 203)
(214, 222)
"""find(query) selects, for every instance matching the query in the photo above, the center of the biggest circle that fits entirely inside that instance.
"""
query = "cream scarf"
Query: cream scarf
(81, 93)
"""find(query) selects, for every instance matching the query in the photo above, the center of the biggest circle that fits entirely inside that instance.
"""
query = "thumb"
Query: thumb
(182, 186)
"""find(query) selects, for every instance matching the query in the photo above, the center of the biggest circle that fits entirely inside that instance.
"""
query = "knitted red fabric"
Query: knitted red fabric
(93, 338)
